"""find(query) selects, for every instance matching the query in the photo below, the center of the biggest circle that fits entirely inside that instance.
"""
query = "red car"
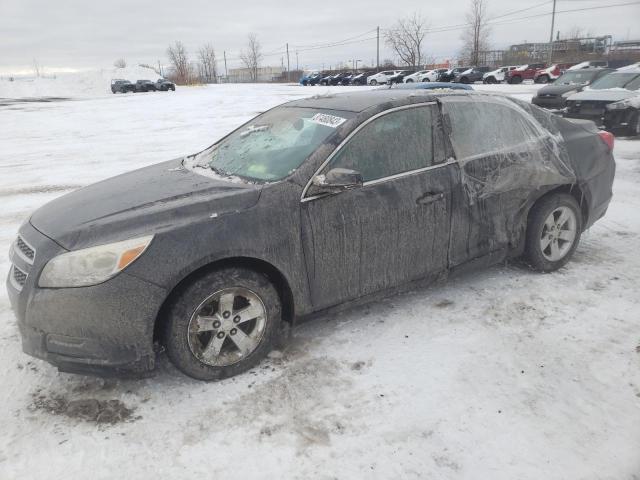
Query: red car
(552, 73)
(524, 72)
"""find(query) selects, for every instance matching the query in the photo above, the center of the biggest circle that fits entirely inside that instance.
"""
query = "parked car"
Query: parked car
(613, 101)
(122, 86)
(498, 75)
(164, 85)
(551, 73)
(433, 75)
(382, 77)
(523, 72)
(433, 86)
(360, 78)
(415, 76)
(326, 79)
(471, 75)
(591, 63)
(572, 81)
(145, 86)
(399, 77)
(343, 78)
(311, 78)
(314, 204)
(450, 75)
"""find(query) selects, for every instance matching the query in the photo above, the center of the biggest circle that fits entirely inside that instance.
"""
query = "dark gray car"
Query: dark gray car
(313, 204)
(573, 81)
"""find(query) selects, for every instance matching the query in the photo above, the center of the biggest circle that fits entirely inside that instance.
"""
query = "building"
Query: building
(265, 74)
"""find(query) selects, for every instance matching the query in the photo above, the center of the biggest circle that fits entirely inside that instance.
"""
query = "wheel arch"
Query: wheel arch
(576, 192)
(274, 275)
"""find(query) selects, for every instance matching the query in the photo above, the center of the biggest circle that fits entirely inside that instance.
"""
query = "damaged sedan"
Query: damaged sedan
(612, 102)
(314, 204)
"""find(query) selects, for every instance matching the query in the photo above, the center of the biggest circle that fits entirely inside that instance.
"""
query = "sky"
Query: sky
(86, 34)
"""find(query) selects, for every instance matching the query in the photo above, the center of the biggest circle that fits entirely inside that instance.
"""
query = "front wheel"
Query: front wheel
(373, 82)
(222, 323)
(553, 232)
(409, 80)
(542, 79)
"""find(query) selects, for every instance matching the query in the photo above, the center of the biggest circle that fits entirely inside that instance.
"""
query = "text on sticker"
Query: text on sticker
(328, 120)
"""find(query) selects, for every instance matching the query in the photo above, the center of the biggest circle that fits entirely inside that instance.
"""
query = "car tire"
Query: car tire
(426, 80)
(304, 83)
(553, 232)
(542, 79)
(464, 80)
(373, 82)
(491, 80)
(516, 80)
(188, 342)
(409, 80)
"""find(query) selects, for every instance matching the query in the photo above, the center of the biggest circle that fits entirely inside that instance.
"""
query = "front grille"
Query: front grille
(18, 277)
(27, 251)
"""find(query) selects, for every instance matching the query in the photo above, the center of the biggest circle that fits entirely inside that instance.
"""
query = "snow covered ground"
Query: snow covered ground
(499, 374)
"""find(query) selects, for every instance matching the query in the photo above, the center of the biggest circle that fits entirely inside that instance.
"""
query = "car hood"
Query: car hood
(557, 89)
(610, 95)
(149, 200)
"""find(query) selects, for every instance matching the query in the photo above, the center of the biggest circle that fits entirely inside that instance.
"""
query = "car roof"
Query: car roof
(362, 100)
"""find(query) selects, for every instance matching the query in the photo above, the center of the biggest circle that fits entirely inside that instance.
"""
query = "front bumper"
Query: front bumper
(104, 329)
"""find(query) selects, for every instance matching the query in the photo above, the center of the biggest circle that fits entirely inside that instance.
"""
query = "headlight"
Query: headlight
(568, 94)
(90, 266)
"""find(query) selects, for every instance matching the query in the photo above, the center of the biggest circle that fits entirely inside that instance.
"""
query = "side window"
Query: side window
(481, 127)
(394, 143)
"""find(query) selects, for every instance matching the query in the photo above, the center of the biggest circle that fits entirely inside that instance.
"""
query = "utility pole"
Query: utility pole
(378, 49)
(226, 73)
(288, 74)
(297, 65)
(159, 68)
(553, 21)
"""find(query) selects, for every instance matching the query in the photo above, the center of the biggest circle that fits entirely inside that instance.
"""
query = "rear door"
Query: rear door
(501, 153)
(393, 229)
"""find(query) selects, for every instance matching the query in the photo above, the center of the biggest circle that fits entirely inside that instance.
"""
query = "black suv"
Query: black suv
(471, 75)
(165, 85)
(122, 86)
(145, 86)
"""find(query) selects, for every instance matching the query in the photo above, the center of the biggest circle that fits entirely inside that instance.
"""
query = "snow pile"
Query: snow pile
(89, 83)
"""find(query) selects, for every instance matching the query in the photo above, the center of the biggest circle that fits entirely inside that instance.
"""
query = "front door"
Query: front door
(393, 229)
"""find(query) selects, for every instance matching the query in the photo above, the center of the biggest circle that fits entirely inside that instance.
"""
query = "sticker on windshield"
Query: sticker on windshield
(327, 120)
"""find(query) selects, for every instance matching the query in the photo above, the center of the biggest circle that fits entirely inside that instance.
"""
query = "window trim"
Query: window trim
(304, 198)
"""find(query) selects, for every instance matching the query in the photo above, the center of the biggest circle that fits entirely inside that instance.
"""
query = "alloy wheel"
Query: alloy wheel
(558, 234)
(227, 326)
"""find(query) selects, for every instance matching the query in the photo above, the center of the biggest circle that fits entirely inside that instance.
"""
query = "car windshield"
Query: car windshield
(576, 77)
(272, 145)
(614, 80)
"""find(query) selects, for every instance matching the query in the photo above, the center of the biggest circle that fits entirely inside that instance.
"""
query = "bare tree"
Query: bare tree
(252, 56)
(179, 60)
(406, 38)
(207, 64)
(120, 63)
(475, 37)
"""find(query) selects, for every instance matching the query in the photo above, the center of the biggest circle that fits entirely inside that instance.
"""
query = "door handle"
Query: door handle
(429, 197)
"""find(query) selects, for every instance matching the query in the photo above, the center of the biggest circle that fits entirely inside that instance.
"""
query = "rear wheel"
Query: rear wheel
(373, 82)
(517, 79)
(491, 80)
(542, 79)
(553, 232)
(409, 80)
(222, 324)
(634, 125)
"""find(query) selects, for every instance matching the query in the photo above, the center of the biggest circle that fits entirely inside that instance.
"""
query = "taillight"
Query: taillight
(608, 138)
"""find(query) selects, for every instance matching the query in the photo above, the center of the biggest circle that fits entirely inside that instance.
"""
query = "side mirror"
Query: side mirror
(336, 180)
